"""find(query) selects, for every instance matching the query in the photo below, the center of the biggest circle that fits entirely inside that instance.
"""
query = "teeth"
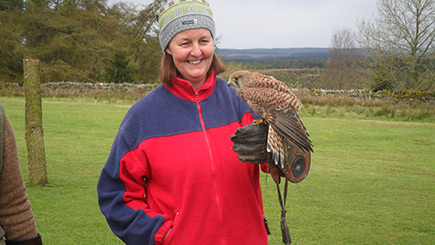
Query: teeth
(194, 62)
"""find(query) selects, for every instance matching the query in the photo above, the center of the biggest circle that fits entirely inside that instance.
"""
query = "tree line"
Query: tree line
(90, 41)
(399, 49)
(79, 40)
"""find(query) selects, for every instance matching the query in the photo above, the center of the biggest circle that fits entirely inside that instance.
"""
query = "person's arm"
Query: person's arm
(16, 215)
(121, 196)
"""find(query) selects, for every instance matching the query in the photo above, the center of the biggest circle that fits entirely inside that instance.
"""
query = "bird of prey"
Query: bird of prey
(288, 140)
(272, 100)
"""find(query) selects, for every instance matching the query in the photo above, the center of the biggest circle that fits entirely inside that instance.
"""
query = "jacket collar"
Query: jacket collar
(184, 88)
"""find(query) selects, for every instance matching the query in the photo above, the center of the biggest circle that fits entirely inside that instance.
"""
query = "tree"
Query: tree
(11, 49)
(341, 71)
(400, 43)
(140, 39)
(76, 40)
(120, 71)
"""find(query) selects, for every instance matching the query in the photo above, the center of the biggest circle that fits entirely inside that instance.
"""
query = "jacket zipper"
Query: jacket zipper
(212, 165)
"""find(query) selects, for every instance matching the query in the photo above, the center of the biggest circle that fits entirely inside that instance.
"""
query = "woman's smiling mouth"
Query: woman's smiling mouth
(194, 62)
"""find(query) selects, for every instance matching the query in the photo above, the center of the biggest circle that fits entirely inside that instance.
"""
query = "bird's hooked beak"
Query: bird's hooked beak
(233, 81)
(230, 82)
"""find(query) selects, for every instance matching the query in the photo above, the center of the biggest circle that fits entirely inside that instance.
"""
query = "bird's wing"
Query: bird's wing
(278, 93)
(276, 147)
(261, 101)
(291, 127)
(276, 108)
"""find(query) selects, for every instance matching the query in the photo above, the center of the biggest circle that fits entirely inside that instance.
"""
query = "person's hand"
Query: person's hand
(250, 143)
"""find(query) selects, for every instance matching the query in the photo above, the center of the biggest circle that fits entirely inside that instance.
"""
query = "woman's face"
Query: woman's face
(192, 52)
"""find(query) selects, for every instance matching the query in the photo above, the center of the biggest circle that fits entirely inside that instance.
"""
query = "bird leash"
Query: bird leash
(282, 201)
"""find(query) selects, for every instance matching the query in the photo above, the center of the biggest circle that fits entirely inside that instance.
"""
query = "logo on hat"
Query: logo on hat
(189, 22)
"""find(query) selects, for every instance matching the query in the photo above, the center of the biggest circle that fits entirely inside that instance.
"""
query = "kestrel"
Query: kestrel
(288, 140)
(272, 100)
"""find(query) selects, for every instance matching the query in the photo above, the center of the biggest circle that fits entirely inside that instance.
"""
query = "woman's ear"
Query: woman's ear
(168, 51)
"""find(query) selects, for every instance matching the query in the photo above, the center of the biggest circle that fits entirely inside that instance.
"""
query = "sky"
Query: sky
(245, 24)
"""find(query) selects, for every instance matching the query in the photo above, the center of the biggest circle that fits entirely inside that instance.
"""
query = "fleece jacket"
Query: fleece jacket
(172, 176)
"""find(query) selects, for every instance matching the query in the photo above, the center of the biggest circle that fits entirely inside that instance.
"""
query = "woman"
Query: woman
(172, 177)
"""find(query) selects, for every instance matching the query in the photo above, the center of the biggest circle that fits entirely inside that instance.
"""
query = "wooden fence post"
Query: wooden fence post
(34, 131)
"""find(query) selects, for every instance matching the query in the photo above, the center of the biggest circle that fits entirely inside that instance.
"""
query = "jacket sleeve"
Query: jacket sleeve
(16, 215)
(121, 196)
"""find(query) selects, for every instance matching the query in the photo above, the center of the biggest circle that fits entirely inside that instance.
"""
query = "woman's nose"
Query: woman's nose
(196, 51)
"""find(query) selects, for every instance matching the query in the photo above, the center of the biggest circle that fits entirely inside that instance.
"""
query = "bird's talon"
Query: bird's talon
(256, 122)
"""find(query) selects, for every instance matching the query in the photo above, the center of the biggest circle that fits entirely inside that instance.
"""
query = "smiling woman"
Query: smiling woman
(172, 176)
(192, 53)
(187, 43)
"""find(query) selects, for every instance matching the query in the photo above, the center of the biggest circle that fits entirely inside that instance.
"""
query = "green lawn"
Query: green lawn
(371, 181)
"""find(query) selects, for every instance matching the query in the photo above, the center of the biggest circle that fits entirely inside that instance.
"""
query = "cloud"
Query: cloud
(282, 23)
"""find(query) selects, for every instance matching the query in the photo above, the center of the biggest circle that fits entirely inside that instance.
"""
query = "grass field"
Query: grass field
(371, 181)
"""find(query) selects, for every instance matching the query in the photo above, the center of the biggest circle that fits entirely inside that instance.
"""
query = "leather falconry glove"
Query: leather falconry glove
(250, 143)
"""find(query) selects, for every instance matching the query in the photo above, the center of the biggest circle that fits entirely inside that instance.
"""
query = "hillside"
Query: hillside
(273, 54)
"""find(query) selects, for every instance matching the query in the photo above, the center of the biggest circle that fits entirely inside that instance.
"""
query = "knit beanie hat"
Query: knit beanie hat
(181, 15)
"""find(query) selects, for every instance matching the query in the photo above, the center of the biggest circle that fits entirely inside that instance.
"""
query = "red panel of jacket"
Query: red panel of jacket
(193, 179)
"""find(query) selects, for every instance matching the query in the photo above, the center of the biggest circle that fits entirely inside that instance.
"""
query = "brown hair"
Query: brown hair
(168, 71)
